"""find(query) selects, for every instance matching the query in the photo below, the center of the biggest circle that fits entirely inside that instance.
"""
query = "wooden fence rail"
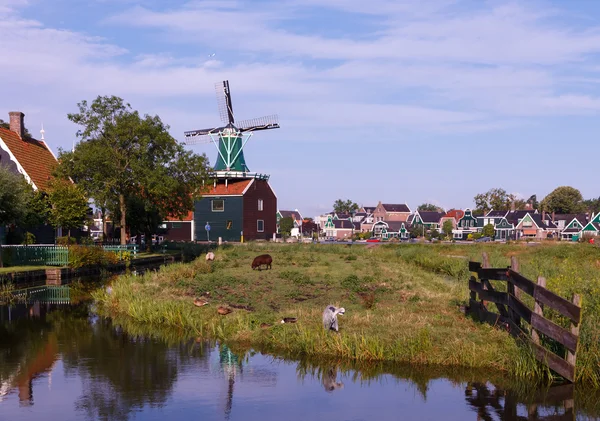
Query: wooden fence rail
(512, 312)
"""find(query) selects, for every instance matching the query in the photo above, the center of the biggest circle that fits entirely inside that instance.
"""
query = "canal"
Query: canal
(63, 362)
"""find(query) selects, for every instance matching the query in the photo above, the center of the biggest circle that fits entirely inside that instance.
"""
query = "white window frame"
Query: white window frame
(263, 225)
(260, 205)
(212, 205)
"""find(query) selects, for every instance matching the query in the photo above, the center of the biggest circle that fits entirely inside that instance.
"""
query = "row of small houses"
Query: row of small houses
(396, 221)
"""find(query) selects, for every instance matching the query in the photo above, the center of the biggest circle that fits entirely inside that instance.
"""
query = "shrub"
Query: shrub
(29, 238)
(80, 256)
(296, 277)
(63, 241)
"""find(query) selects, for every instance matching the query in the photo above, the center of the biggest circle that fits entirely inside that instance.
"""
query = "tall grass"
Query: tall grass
(413, 316)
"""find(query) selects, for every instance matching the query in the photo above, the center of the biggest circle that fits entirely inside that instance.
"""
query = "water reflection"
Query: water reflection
(66, 363)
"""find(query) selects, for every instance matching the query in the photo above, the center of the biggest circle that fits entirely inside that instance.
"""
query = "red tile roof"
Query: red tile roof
(34, 156)
(233, 188)
(455, 213)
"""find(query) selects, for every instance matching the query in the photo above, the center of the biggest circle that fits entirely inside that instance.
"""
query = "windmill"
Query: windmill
(231, 138)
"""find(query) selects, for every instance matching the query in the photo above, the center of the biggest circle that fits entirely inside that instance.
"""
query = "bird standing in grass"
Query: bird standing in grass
(330, 314)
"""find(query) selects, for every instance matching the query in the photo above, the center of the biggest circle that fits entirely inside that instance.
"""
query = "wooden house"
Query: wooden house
(392, 229)
(31, 158)
(340, 229)
(235, 210)
(429, 219)
(573, 228)
(592, 228)
(453, 216)
(465, 226)
(176, 229)
(296, 220)
(532, 225)
(391, 212)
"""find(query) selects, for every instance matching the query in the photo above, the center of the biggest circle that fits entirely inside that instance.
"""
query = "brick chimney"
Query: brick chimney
(16, 123)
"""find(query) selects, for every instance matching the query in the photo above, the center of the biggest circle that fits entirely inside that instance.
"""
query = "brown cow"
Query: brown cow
(263, 259)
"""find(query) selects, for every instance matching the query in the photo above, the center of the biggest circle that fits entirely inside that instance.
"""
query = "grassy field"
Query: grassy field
(399, 307)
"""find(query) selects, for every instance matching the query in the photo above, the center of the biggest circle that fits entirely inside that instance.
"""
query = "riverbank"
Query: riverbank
(395, 310)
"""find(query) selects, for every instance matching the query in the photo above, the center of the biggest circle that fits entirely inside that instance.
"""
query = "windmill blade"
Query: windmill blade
(224, 102)
(202, 132)
(198, 140)
(260, 123)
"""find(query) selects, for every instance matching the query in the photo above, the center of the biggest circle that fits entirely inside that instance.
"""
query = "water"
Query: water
(64, 363)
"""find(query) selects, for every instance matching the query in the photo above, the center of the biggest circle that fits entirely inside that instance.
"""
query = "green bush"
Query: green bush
(29, 238)
(297, 277)
(63, 241)
(81, 256)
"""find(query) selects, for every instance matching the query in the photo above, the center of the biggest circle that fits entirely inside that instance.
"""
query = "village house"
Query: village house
(391, 212)
(176, 229)
(465, 226)
(592, 228)
(235, 210)
(429, 219)
(296, 220)
(31, 158)
(340, 229)
(391, 229)
(453, 216)
(532, 225)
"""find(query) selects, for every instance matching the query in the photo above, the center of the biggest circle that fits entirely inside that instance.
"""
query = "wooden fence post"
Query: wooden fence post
(485, 263)
(572, 356)
(512, 289)
(539, 310)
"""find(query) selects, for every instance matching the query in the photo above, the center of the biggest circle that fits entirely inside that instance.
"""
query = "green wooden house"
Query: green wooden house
(593, 227)
(465, 226)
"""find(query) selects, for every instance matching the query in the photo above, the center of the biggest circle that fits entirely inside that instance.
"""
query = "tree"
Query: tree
(447, 228)
(6, 125)
(428, 207)
(123, 155)
(416, 230)
(497, 199)
(564, 199)
(533, 201)
(285, 226)
(592, 205)
(36, 214)
(489, 231)
(14, 198)
(69, 205)
(341, 206)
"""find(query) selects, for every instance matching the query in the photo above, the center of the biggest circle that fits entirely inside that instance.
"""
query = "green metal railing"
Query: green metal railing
(45, 293)
(119, 249)
(35, 255)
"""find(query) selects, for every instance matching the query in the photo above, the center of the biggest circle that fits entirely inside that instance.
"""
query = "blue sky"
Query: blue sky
(398, 101)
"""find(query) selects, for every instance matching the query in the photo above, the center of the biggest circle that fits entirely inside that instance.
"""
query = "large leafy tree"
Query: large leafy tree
(69, 205)
(124, 155)
(344, 206)
(447, 228)
(496, 198)
(563, 199)
(15, 196)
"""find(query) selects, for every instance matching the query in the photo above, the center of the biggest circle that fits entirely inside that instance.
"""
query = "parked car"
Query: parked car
(373, 240)
(483, 240)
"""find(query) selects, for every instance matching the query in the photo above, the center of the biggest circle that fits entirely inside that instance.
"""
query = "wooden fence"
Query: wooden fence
(512, 312)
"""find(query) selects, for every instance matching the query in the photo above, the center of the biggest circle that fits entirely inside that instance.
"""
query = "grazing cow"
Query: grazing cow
(263, 259)
(210, 256)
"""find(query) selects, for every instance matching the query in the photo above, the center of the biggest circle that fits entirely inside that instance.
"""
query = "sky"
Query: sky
(381, 100)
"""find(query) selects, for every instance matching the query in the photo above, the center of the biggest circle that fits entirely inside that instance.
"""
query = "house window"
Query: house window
(218, 205)
(260, 204)
(229, 224)
(260, 225)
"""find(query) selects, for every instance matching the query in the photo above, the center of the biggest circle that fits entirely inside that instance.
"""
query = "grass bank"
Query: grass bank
(568, 268)
(395, 309)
